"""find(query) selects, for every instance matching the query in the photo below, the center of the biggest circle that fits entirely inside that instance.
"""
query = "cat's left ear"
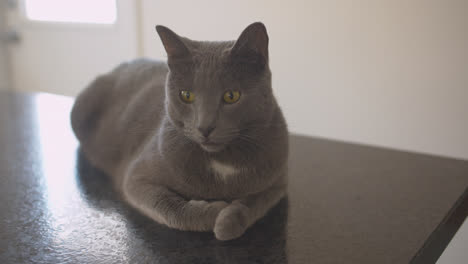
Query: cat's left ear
(252, 46)
(173, 43)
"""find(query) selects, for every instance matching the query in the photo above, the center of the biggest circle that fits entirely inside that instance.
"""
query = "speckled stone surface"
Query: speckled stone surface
(347, 203)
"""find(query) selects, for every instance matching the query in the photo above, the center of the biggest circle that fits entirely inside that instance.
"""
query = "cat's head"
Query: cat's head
(216, 92)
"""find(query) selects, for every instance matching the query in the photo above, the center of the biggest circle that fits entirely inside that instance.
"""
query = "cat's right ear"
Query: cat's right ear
(172, 43)
(251, 48)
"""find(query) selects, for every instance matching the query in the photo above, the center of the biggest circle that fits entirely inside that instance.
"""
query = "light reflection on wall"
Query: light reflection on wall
(73, 220)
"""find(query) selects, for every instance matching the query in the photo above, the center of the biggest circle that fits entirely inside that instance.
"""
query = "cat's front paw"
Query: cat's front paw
(231, 222)
(206, 212)
(214, 207)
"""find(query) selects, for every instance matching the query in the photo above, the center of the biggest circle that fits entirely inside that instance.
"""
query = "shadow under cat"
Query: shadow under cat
(150, 242)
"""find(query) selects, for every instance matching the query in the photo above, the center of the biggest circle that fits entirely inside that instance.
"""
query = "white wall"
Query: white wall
(456, 252)
(4, 78)
(391, 73)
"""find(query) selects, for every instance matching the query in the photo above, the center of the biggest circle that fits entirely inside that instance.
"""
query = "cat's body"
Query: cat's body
(202, 165)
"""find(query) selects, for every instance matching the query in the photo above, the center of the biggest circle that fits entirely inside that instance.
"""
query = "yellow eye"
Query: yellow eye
(231, 97)
(187, 96)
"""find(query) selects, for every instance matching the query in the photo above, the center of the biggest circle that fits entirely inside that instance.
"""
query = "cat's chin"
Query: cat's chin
(210, 147)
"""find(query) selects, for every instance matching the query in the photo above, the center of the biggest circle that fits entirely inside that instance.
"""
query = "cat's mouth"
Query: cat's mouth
(211, 146)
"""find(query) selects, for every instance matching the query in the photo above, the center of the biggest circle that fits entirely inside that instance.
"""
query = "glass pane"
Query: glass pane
(75, 11)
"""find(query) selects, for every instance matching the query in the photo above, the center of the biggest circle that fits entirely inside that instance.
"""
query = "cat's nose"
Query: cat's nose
(206, 131)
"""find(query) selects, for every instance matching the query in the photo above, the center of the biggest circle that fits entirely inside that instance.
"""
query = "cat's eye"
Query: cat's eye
(231, 97)
(187, 96)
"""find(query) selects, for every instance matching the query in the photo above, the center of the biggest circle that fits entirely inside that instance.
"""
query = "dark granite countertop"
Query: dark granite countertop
(347, 203)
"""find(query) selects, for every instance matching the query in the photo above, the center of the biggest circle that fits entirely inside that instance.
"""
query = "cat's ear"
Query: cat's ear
(251, 47)
(173, 44)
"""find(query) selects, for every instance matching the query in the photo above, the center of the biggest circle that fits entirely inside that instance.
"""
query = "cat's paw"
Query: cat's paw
(215, 206)
(231, 222)
(206, 212)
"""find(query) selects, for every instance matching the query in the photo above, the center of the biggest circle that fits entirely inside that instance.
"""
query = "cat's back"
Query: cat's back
(118, 111)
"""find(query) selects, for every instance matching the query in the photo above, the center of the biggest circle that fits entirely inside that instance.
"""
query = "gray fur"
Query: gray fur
(133, 125)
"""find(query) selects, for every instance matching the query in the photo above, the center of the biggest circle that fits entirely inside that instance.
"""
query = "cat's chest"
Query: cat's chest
(223, 170)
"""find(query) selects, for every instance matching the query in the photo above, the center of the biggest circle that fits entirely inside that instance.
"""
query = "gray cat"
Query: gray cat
(197, 144)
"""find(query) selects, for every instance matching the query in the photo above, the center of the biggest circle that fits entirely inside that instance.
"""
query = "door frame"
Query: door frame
(127, 23)
(5, 82)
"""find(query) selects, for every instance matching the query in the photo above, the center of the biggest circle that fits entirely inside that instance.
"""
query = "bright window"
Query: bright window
(73, 11)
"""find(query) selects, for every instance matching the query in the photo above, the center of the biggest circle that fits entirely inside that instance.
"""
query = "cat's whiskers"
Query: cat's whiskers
(252, 142)
(264, 126)
(231, 134)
